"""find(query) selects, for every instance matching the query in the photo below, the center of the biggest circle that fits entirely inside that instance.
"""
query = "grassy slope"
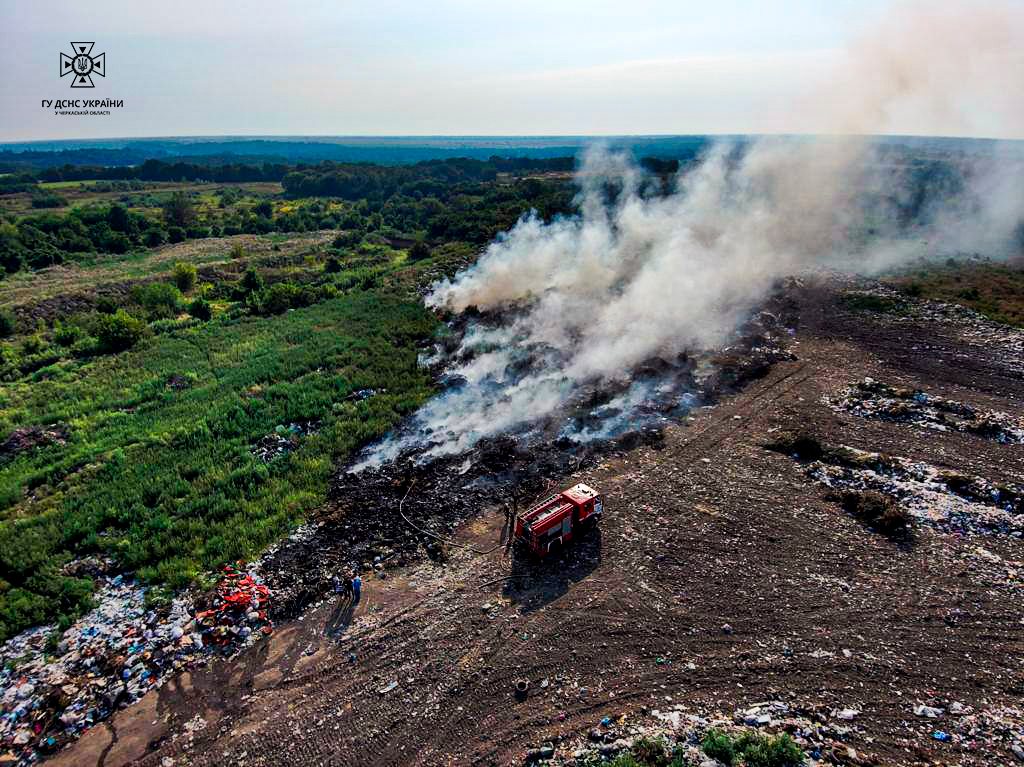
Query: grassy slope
(96, 270)
(163, 478)
(995, 290)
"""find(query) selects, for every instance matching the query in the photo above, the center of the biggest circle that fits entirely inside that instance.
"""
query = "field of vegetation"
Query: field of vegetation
(995, 290)
(183, 364)
(147, 455)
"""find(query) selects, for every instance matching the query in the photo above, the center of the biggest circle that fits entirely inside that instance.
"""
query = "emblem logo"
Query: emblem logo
(82, 65)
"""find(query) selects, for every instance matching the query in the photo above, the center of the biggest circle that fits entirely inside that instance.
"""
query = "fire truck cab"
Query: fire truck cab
(554, 521)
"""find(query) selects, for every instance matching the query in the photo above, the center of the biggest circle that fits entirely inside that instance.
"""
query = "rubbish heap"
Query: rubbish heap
(873, 399)
(54, 686)
(282, 440)
(942, 499)
(239, 608)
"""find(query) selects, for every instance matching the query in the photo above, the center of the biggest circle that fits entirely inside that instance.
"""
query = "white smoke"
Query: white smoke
(591, 297)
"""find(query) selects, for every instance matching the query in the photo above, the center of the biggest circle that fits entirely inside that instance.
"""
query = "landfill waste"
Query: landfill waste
(821, 732)
(939, 498)
(874, 399)
(28, 437)
(283, 440)
(54, 686)
(363, 394)
(680, 731)
(973, 331)
(999, 727)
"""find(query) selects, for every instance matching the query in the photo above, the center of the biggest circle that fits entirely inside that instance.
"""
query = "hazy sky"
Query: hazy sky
(206, 67)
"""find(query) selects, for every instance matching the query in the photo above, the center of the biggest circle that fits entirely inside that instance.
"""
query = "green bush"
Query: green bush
(347, 239)
(119, 331)
(332, 265)
(752, 749)
(7, 323)
(650, 752)
(200, 309)
(251, 282)
(48, 200)
(719, 745)
(278, 298)
(175, 234)
(184, 276)
(758, 750)
(66, 333)
(154, 237)
(625, 760)
(419, 251)
(161, 300)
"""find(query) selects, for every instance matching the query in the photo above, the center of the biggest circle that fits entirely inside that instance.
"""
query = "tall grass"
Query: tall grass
(161, 477)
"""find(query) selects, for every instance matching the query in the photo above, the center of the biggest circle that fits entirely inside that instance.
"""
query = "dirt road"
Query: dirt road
(721, 576)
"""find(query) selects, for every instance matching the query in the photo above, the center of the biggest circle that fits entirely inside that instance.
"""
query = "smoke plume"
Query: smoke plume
(583, 301)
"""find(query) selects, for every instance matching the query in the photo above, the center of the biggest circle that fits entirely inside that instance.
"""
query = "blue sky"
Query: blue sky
(364, 68)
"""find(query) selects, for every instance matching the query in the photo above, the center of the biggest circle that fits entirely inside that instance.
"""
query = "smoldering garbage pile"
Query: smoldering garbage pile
(554, 311)
(113, 655)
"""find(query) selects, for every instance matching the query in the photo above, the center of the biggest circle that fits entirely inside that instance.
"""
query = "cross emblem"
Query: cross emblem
(82, 65)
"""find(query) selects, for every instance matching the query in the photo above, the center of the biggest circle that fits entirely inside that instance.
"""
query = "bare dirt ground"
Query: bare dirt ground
(715, 554)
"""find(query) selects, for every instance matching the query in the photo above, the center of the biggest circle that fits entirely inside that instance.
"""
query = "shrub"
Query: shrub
(719, 745)
(175, 234)
(184, 276)
(650, 752)
(200, 309)
(161, 300)
(252, 281)
(179, 212)
(116, 242)
(7, 323)
(85, 346)
(117, 218)
(332, 265)
(119, 331)
(106, 305)
(237, 251)
(758, 750)
(48, 200)
(347, 239)
(624, 760)
(154, 237)
(66, 333)
(419, 251)
(279, 298)
(33, 344)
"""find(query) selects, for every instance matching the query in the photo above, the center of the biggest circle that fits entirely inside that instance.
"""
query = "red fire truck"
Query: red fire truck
(555, 520)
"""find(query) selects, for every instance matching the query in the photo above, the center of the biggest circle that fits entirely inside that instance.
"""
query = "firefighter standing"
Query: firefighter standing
(343, 586)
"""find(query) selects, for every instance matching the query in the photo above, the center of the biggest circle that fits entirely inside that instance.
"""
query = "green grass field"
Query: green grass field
(157, 470)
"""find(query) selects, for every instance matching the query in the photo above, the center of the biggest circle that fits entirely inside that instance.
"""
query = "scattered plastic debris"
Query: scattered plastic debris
(283, 440)
(873, 399)
(55, 686)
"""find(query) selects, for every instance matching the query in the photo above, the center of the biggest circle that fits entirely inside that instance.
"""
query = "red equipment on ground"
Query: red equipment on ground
(554, 521)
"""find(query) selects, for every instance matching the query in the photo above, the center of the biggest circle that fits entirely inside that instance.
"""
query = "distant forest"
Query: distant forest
(227, 152)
